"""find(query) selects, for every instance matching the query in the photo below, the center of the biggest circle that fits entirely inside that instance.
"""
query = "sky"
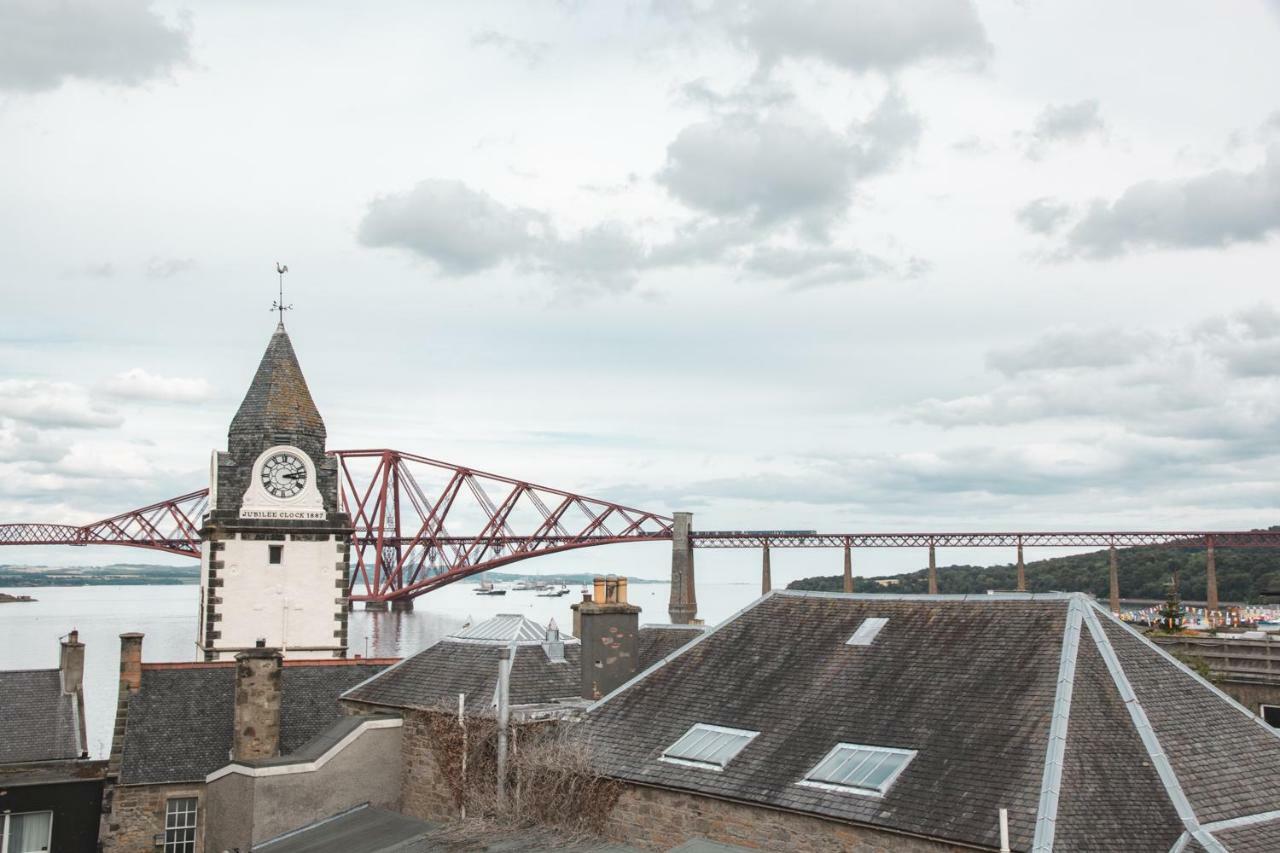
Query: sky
(845, 265)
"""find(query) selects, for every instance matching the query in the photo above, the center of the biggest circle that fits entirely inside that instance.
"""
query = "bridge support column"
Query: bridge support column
(402, 605)
(1115, 582)
(1211, 586)
(1022, 570)
(848, 568)
(683, 605)
(375, 605)
(766, 579)
(933, 570)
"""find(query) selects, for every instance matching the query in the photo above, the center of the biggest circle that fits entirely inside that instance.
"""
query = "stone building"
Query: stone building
(214, 755)
(816, 721)
(50, 792)
(275, 543)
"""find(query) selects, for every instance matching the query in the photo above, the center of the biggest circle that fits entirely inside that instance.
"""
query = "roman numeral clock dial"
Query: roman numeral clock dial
(283, 475)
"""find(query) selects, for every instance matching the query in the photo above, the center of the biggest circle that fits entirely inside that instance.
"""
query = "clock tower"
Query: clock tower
(275, 545)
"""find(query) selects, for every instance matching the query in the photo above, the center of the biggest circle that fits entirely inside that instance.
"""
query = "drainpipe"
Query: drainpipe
(504, 719)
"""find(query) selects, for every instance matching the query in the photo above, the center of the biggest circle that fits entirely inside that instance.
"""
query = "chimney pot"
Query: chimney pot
(131, 661)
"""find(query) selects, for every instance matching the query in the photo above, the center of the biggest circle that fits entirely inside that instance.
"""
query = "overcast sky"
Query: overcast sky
(847, 265)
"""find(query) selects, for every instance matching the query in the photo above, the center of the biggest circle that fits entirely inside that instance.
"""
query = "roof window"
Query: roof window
(859, 769)
(867, 631)
(708, 747)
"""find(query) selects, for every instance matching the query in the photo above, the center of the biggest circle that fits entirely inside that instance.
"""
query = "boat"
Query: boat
(552, 592)
(487, 588)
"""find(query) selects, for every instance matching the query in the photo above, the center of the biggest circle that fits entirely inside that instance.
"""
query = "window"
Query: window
(274, 554)
(867, 631)
(708, 747)
(26, 833)
(859, 769)
(1270, 713)
(180, 825)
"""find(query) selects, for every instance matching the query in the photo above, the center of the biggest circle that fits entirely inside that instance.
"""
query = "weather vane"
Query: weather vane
(279, 305)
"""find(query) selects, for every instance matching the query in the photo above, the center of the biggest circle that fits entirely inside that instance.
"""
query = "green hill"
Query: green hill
(1243, 575)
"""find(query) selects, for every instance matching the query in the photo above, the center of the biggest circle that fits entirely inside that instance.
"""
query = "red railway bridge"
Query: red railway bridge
(420, 523)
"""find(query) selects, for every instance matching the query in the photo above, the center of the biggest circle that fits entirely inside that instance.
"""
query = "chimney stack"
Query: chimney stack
(609, 632)
(257, 703)
(71, 663)
(131, 661)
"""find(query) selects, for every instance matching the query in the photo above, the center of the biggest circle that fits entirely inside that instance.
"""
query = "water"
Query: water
(29, 632)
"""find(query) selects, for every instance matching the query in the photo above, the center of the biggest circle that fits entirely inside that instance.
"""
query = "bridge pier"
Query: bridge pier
(402, 605)
(848, 568)
(1211, 586)
(375, 605)
(1022, 570)
(933, 570)
(1115, 582)
(766, 581)
(683, 604)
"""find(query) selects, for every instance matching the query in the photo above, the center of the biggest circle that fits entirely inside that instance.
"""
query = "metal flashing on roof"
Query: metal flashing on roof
(867, 632)
(1051, 781)
(504, 629)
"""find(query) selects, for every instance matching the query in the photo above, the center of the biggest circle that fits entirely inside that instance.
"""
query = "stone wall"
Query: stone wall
(137, 814)
(423, 791)
(656, 819)
(1252, 695)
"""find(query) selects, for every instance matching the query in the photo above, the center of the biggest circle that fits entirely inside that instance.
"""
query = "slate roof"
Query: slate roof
(41, 723)
(278, 399)
(179, 724)
(658, 641)
(1024, 702)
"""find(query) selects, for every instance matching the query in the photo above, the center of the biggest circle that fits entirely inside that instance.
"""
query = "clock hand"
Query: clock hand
(297, 476)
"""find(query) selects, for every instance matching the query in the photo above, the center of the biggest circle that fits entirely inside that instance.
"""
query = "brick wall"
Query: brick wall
(137, 814)
(655, 819)
(423, 792)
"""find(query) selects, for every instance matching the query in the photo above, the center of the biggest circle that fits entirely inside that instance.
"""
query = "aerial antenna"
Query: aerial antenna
(279, 305)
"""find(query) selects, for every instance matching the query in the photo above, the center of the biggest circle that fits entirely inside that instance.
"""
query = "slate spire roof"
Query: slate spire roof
(1091, 736)
(278, 400)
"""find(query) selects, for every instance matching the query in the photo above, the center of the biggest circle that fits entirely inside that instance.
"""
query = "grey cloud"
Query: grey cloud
(23, 443)
(863, 35)
(53, 404)
(1070, 348)
(460, 229)
(813, 267)
(890, 131)
(1214, 209)
(530, 53)
(1064, 123)
(138, 384)
(604, 254)
(123, 42)
(1043, 215)
(169, 267)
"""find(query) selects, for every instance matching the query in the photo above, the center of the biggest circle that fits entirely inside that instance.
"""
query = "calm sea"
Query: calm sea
(29, 632)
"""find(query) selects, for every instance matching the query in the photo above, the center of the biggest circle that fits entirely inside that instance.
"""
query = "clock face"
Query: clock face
(283, 474)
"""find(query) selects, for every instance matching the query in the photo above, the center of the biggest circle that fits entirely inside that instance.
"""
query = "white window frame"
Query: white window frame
(4, 828)
(175, 846)
(854, 789)
(867, 631)
(708, 765)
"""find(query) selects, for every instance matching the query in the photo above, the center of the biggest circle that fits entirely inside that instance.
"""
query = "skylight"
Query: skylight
(708, 747)
(867, 631)
(859, 769)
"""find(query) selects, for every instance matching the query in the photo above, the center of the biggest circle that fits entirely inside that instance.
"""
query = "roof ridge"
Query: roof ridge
(1150, 741)
(1055, 752)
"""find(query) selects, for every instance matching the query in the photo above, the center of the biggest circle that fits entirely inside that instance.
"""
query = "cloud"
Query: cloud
(23, 443)
(53, 404)
(813, 267)
(461, 229)
(862, 35)
(1210, 210)
(531, 53)
(138, 384)
(123, 42)
(1069, 348)
(1064, 123)
(169, 267)
(1043, 215)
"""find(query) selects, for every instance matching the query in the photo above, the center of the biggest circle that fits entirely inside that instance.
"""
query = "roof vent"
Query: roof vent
(553, 645)
(867, 631)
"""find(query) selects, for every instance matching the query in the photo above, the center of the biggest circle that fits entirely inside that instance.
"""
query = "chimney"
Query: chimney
(71, 663)
(553, 645)
(610, 638)
(131, 661)
(577, 615)
(257, 703)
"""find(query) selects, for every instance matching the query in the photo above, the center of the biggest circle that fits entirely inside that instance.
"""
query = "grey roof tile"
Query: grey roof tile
(278, 399)
(1252, 838)
(179, 722)
(658, 641)
(40, 722)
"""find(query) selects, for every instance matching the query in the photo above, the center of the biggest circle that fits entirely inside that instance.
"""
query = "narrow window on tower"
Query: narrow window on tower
(274, 553)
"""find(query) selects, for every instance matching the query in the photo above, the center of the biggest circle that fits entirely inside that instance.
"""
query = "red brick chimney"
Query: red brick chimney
(257, 706)
(131, 661)
(610, 638)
